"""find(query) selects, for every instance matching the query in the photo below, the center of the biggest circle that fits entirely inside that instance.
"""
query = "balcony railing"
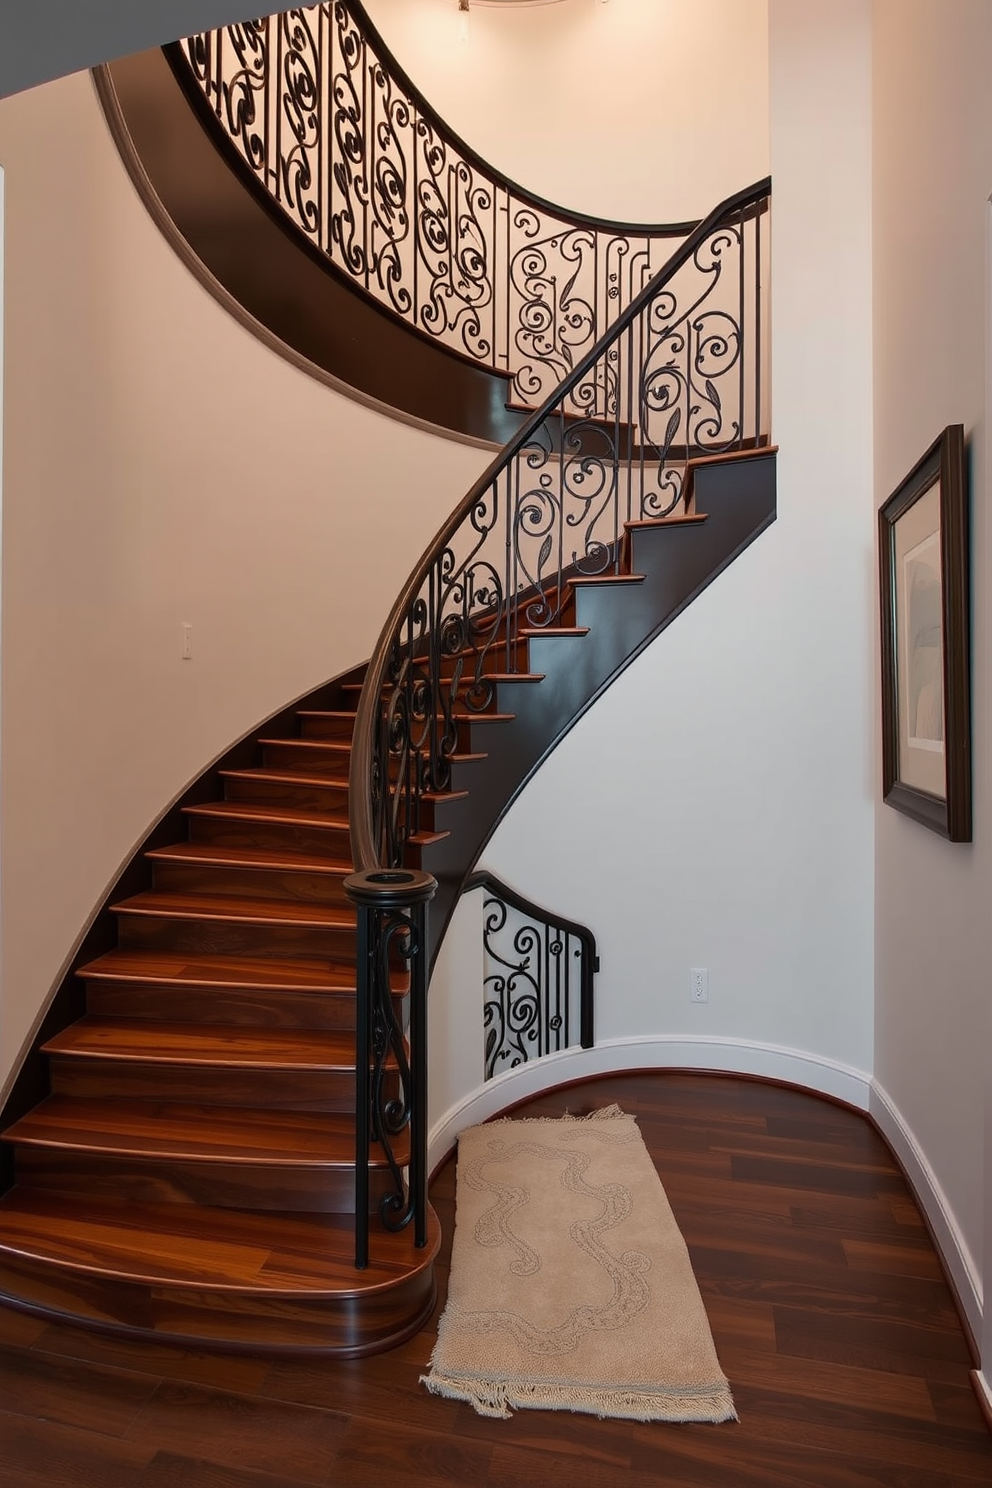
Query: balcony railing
(322, 119)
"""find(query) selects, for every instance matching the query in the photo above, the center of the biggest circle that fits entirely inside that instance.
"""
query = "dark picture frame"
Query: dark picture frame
(926, 623)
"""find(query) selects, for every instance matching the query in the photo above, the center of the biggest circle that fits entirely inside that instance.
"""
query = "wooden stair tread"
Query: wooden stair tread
(677, 519)
(194, 1132)
(290, 816)
(229, 1046)
(461, 716)
(326, 746)
(263, 776)
(163, 904)
(220, 1250)
(533, 632)
(170, 969)
(216, 855)
(608, 578)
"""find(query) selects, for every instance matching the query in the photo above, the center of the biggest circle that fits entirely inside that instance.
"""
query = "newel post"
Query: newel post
(391, 1084)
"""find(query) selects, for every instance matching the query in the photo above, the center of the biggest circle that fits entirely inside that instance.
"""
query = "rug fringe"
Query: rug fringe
(602, 1113)
(492, 1397)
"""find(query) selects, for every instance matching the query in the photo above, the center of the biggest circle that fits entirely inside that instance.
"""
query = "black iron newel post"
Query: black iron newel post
(391, 1084)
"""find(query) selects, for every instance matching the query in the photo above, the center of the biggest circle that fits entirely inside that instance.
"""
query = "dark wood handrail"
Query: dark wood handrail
(365, 848)
(527, 198)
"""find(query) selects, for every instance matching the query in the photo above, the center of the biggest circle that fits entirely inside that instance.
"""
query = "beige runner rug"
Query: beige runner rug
(571, 1287)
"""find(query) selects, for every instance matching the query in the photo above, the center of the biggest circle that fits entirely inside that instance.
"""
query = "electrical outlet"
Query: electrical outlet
(699, 984)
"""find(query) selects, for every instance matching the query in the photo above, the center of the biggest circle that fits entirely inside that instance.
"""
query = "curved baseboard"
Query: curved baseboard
(675, 1051)
(964, 1273)
(739, 1057)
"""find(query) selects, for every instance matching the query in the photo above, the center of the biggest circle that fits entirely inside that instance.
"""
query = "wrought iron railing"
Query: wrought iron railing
(324, 121)
(538, 976)
(681, 374)
(391, 1063)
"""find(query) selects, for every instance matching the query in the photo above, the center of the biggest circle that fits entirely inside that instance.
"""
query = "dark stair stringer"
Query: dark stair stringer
(183, 1134)
(668, 564)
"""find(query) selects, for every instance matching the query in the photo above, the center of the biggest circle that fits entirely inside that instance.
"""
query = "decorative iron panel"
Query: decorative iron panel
(326, 123)
(538, 979)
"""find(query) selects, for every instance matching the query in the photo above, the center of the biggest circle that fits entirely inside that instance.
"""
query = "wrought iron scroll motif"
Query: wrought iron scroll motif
(391, 1061)
(681, 375)
(319, 113)
(538, 980)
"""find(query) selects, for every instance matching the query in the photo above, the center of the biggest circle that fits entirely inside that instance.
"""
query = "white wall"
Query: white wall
(161, 466)
(715, 807)
(933, 177)
(549, 95)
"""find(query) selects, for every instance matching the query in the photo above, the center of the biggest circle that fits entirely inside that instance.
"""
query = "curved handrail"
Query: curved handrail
(324, 122)
(684, 358)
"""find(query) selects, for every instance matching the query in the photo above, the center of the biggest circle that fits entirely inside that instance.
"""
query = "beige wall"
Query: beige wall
(549, 96)
(932, 180)
(161, 466)
(715, 807)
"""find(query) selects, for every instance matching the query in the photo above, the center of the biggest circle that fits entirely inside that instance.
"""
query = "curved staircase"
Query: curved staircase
(181, 1145)
(192, 1172)
(191, 1175)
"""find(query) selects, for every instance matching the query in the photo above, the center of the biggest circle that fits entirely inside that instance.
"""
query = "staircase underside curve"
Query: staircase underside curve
(243, 251)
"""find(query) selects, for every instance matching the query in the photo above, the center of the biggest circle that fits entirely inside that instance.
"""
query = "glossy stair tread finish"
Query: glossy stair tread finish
(226, 1046)
(228, 907)
(289, 973)
(258, 811)
(194, 1132)
(220, 1248)
(283, 785)
(216, 855)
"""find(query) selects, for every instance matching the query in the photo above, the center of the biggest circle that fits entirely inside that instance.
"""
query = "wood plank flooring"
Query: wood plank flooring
(830, 1314)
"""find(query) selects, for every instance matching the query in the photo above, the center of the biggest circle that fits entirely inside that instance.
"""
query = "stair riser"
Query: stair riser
(250, 883)
(327, 728)
(208, 1085)
(500, 658)
(461, 704)
(340, 1326)
(298, 759)
(331, 798)
(225, 832)
(241, 1007)
(220, 1185)
(234, 938)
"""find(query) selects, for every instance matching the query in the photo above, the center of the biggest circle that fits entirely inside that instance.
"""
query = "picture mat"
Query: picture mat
(920, 660)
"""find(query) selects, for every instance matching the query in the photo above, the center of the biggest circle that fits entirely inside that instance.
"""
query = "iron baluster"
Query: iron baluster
(391, 1083)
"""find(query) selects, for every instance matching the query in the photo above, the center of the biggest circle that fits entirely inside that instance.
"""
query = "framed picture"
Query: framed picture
(926, 689)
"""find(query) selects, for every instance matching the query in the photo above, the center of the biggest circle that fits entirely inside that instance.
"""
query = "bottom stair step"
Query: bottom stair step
(222, 1277)
(150, 1152)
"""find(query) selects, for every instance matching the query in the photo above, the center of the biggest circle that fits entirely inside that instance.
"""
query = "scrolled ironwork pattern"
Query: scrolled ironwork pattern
(538, 980)
(682, 374)
(323, 119)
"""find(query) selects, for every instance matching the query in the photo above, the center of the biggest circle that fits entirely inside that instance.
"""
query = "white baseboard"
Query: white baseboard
(982, 1383)
(964, 1273)
(731, 1056)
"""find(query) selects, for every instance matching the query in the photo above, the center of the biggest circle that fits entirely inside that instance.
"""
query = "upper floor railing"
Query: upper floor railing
(329, 127)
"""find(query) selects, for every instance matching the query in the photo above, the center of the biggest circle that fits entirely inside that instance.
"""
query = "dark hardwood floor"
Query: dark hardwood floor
(829, 1310)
